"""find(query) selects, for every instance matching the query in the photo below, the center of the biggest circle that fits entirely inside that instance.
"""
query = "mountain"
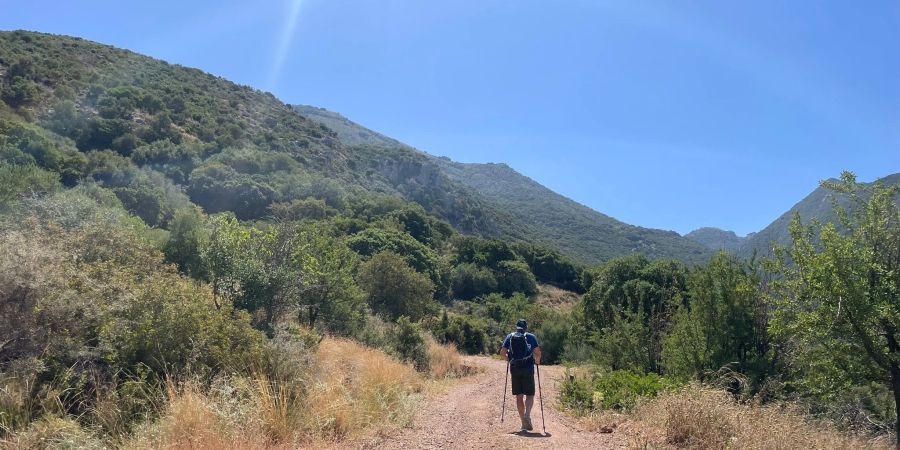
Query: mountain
(161, 137)
(818, 205)
(716, 239)
(530, 211)
(349, 132)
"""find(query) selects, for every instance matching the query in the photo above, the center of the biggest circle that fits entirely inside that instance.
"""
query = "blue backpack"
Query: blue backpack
(520, 350)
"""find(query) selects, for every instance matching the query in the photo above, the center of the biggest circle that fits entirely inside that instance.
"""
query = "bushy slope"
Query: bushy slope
(348, 131)
(162, 136)
(572, 227)
(818, 205)
(522, 208)
(716, 239)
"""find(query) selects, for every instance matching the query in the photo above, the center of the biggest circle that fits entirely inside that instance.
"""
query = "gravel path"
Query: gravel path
(468, 416)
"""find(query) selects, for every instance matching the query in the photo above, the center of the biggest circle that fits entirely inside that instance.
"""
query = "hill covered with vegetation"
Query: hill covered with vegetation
(185, 262)
(716, 239)
(819, 206)
(524, 209)
(172, 240)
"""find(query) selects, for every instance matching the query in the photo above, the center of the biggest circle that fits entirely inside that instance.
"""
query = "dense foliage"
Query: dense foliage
(160, 224)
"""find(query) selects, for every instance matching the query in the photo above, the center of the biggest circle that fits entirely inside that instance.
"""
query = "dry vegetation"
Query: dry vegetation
(697, 417)
(446, 362)
(350, 391)
(554, 297)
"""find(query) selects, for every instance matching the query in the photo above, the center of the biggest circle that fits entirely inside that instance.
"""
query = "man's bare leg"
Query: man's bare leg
(520, 405)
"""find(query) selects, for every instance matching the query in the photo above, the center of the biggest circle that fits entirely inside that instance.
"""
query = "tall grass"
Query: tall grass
(701, 418)
(343, 390)
(349, 389)
(445, 361)
(356, 388)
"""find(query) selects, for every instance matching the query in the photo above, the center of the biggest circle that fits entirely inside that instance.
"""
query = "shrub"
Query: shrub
(702, 418)
(553, 332)
(515, 276)
(619, 389)
(394, 289)
(468, 281)
(409, 343)
(24, 180)
(468, 333)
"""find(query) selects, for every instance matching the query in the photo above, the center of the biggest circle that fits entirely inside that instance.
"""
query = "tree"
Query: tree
(840, 299)
(468, 281)
(226, 250)
(187, 238)
(514, 276)
(722, 324)
(638, 288)
(330, 296)
(419, 256)
(394, 288)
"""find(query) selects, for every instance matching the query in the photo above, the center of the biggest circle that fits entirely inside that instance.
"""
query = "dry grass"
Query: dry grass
(701, 418)
(351, 390)
(358, 388)
(53, 432)
(445, 361)
(554, 297)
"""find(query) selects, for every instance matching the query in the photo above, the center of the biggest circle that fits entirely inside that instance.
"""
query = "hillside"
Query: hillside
(349, 132)
(162, 136)
(716, 239)
(524, 209)
(818, 205)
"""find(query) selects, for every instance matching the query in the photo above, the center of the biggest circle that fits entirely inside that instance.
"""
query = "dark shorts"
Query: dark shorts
(522, 381)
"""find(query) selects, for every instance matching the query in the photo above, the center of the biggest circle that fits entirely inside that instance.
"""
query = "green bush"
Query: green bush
(468, 281)
(395, 289)
(552, 333)
(467, 332)
(515, 276)
(409, 344)
(619, 389)
(24, 180)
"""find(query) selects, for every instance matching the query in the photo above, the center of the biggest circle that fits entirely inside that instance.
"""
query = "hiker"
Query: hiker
(522, 351)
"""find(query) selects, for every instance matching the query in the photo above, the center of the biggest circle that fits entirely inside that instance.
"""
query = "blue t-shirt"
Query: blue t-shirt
(532, 341)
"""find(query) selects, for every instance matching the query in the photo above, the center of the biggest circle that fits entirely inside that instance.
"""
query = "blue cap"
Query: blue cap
(521, 324)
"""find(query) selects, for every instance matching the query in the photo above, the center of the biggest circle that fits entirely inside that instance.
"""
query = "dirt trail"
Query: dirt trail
(468, 416)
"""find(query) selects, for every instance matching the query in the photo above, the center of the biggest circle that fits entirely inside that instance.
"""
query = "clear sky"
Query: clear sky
(673, 115)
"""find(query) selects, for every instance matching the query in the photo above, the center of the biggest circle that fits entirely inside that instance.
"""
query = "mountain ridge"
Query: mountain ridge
(588, 235)
(161, 136)
(717, 239)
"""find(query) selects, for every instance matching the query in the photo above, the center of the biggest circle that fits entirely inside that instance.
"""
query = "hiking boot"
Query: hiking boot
(526, 423)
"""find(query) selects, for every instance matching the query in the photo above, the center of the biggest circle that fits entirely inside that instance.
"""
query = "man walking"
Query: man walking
(522, 351)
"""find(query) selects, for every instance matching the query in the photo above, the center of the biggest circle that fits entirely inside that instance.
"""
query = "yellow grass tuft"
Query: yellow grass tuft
(445, 361)
(357, 388)
(554, 297)
(702, 418)
(350, 390)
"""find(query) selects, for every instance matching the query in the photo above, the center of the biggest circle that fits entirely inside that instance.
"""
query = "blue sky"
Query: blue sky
(671, 115)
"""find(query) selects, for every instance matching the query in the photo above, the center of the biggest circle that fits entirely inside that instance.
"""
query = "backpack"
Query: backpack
(519, 350)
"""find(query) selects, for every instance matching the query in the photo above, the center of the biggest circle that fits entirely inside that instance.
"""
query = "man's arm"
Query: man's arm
(537, 355)
(504, 352)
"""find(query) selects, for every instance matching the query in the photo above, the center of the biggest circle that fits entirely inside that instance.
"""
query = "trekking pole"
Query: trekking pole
(505, 379)
(541, 395)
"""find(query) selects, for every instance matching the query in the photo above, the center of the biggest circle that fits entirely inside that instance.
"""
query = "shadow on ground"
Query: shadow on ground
(531, 434)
